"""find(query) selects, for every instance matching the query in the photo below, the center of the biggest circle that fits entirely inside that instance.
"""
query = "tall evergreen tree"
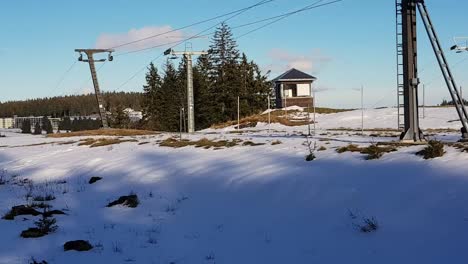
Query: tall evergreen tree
(120, 119)
(26, 127)
(152, 102)
(171, 95)
(37, 129)
(205, 104)
(224, 57)
(47, 125)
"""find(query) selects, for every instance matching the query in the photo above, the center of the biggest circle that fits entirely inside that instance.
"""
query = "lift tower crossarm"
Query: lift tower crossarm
(90, 54)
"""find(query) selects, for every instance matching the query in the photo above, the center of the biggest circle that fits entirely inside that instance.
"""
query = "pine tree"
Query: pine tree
(120, 119)
(205, 105)
(37, 129)
(66, 124)
(47, 125)
(26, 127)
(152, 103)
(224, 74)
(171, 96)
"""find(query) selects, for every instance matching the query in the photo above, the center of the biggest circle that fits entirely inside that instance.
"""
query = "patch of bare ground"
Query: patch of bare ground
(373, 151)
(105, 132)
(275, 117)
(101, 142)
(202, 143)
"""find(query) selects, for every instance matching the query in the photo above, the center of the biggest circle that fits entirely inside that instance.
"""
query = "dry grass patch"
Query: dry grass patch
(202, 143)
(324, 110)
(101, 142)
(349, 148)
(275, 117)
(276, 142)
(252, 144)
(434, 149)
(373, 151)
(105, 132)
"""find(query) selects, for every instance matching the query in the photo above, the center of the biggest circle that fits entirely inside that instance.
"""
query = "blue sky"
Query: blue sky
(344, 45)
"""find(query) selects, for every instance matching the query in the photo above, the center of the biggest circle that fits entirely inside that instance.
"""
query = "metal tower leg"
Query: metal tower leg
(412, 131)
(190, 103)
(100, 101)
(450, 81)
(399, 49)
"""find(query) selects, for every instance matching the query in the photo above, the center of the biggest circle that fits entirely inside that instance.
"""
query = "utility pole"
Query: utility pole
(424, 101)
(313, 105)
(362, 109)
(89, 53)
(190, 101)
(238, 112)
(269, 114)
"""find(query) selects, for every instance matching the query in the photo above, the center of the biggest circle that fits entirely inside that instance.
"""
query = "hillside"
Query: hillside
(215, 205)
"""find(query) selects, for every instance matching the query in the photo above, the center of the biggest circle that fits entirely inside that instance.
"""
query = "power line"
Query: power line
(195, 36)
(279, 17)
(62, 78)
(194, 24)
(83, 84)
(453, 67)
(312, 6)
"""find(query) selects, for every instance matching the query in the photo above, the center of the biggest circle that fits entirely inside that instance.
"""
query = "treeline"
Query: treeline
(72, 105)
(219, 79)
(450, 103)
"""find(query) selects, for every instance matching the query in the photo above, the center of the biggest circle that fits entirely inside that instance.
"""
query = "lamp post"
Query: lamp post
(362, 107)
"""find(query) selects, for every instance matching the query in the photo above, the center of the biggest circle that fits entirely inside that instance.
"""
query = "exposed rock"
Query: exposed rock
(77, 245)
(94, 179)
(20, 210)
(129, 201)
(32, 233)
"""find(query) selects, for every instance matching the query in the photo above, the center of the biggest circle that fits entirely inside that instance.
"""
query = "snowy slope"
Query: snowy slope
(262, 204)
(434, 118)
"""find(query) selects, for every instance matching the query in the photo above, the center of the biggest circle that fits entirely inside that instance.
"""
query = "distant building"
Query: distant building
(294, 88)
(6, 123)
(18, 121)
(133, 115)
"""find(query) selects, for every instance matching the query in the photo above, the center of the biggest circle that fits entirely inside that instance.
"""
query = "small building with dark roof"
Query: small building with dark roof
(294, 88)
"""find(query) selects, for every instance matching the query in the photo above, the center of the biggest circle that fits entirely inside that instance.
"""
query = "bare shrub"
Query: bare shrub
(311, 148)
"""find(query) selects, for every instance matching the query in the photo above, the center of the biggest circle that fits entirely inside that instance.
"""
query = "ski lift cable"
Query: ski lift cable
(282, 16)
(62, 78)
(192, 37)
(194, 24)
(314, 6)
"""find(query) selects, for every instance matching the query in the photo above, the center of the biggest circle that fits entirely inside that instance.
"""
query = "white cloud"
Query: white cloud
(109, 40)
(283, 60)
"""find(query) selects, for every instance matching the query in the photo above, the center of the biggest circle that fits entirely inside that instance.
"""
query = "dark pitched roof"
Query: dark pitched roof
(295, 75)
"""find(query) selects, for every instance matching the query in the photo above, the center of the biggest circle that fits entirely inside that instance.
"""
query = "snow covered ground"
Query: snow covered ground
(246, 204)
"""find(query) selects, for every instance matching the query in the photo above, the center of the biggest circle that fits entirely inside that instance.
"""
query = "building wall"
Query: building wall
(18, 121)
(303, 97)
(6, 123)
(303, 89)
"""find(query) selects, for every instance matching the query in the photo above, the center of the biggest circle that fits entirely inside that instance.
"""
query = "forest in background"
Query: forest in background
(70, 105)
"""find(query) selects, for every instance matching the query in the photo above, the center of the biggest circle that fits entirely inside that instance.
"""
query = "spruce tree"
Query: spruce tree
(205, 104)
(152, 102)
(37, 129)
(171, 95)
(224, 74)
(47, 125)
(26, 127)
(66, 124)
(120, 118)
